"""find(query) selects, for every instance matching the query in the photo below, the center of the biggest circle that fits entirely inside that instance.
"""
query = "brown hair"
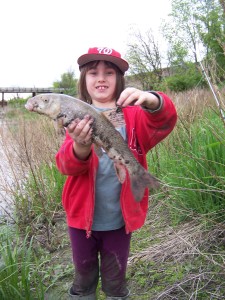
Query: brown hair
(82, 88)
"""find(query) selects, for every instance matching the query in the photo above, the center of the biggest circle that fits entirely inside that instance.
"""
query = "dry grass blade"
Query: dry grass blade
(176, 245)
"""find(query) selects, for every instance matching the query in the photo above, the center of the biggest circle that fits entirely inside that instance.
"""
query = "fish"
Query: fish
(64, 109)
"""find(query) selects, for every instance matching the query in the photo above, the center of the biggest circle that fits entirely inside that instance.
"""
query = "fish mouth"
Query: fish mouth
(29, 107)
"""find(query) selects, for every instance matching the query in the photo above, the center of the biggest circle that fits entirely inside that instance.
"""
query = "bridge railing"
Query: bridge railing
(23, 90)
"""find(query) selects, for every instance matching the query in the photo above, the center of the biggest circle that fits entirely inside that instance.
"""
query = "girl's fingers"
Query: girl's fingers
(81, 131)
(128, 97)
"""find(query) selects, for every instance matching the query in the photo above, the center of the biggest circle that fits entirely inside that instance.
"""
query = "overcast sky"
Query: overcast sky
(42, 39)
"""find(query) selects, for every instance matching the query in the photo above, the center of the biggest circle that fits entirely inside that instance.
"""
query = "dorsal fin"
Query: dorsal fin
(115, 117)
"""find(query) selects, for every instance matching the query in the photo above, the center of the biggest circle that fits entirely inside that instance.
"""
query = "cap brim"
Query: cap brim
(119, 62)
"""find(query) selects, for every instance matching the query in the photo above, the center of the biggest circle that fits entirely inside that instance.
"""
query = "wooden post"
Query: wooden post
(2, 99)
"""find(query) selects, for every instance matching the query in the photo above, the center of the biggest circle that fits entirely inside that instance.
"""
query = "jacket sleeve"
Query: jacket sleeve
(67, 162)
(155, 126)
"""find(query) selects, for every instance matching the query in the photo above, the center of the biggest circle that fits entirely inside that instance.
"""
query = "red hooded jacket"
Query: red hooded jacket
(144, 131)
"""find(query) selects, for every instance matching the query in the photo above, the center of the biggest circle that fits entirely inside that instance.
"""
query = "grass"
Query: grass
(182, 262)
(19, 273)
(191, 165)
(178, 254)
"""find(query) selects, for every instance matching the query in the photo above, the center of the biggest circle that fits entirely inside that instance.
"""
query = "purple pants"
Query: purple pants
(104, 252)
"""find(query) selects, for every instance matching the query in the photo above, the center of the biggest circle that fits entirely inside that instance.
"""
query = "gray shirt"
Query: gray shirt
(107, 213)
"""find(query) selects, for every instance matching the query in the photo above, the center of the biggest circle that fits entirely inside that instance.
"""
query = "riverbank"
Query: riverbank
(178, 254)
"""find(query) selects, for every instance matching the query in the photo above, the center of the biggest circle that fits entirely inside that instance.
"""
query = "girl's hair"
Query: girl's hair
(82, 88)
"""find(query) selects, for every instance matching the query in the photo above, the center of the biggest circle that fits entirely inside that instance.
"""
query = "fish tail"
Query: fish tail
(139, 182)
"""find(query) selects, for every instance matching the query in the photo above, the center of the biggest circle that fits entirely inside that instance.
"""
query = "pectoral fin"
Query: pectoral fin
(120, 172)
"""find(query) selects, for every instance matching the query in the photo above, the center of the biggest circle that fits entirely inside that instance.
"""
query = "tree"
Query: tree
(212, 33)
(197, 24)
(222, 3)
(181, 29)
(145, 59)
(68, 82)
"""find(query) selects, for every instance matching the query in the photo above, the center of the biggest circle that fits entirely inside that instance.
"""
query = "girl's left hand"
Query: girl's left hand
(133, 96)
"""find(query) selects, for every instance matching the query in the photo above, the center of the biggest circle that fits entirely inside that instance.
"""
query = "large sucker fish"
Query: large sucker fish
(64, 109)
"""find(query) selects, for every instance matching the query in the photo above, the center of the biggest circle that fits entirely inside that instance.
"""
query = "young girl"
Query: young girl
(101, 212)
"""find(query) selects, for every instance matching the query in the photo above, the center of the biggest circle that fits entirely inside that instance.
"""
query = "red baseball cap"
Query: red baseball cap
(103, 53)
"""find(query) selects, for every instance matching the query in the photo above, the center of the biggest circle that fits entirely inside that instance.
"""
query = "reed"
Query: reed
(35, 185)
(191, 161)
(20, 277)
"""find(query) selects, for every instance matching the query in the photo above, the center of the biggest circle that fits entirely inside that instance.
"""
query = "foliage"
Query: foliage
(16, 107)
(196, 25)
(193, 168)
(186, 77)
(17, 102)
(19, 275)
(145, 59)
(181, 31)
(192, 26)
(36, 195)
(41, 195)
(68, 82)
(165, 261)
(212, 35)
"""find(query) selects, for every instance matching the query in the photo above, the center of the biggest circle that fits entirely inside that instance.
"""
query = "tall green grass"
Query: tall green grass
(41, 195)
(191, 163)
(20, 277)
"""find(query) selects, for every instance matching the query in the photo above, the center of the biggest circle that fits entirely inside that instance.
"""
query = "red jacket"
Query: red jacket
(144, 131)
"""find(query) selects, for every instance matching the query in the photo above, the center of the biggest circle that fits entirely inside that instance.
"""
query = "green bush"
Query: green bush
(185, 78)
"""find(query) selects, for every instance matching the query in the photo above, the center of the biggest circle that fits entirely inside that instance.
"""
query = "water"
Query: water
(6, 178)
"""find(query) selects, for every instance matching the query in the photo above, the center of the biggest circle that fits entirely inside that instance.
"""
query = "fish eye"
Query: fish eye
(45, 100)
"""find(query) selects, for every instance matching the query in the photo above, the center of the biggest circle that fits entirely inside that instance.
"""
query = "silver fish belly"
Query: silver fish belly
(64, 109)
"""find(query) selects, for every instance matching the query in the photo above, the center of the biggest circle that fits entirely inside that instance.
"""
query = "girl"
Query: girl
(101, 212)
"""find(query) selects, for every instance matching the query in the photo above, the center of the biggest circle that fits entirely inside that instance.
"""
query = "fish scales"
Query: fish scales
(64, 109)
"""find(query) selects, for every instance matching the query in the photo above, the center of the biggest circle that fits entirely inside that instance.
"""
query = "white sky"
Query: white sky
(42, 39)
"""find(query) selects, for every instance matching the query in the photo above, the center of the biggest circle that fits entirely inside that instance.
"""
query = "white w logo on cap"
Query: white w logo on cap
(107, 51)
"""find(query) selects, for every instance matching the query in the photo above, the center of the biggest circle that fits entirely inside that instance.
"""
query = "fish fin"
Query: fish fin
(59, 128)
(120, 172)
(114, 116)
(98, 150)
(140, 182)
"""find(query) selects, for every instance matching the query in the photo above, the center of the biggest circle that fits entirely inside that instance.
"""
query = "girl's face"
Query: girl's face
(101, 85)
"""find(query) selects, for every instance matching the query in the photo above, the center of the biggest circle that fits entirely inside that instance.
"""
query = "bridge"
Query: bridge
(33, 91)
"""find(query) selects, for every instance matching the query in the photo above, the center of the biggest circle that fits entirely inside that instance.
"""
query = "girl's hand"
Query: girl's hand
(81, 132)
(133, 96)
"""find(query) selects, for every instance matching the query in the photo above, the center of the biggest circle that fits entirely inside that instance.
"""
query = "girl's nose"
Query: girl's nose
(101, 77)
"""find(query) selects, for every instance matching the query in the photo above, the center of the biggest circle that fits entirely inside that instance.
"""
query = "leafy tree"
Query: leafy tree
(222, 3)
(181, 31)
(196, 24)
(68, 82)
(212, 34)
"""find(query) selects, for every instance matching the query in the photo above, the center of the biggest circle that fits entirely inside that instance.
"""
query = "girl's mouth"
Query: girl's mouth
(101, 87)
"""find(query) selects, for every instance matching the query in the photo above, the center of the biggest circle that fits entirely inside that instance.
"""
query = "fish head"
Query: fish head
(46, 104)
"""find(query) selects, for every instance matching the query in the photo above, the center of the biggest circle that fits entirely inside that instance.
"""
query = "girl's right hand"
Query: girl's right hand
(81, 132)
